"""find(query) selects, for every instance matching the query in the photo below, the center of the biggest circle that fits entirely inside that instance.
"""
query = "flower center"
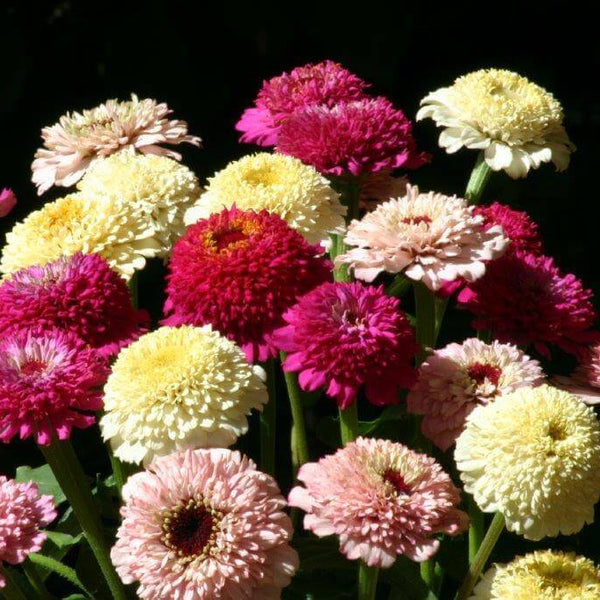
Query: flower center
(225, 239)
(190, 528)
(556, 432)
(263, 176)
(396, 480)
(33, 367)
(479, 372)
(417, 220)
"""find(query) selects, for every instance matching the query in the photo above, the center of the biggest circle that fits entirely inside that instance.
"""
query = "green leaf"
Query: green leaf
(44, 479)
(54, 566)
(63, 540)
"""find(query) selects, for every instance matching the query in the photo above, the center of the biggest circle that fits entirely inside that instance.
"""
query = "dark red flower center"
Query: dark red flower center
(417, 219)
(225, 239)
(33, 367)
(397, 481)
(479, 372)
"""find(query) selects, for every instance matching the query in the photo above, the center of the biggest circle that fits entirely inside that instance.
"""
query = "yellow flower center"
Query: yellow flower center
(265, 175)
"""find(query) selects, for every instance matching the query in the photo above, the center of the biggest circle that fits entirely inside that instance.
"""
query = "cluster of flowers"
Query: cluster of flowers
(291, 253)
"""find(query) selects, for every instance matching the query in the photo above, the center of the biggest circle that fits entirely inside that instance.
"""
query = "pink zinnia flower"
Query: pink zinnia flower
(457, 378)
(79, 293)
(325, 83)
(22, 513)
(346, 336)
(381, 499)
(525, 299)
(240, 271)
(204, 524)
(8, 201)
(48, 385)
(585, 381)
(78, 140)
(358, 137)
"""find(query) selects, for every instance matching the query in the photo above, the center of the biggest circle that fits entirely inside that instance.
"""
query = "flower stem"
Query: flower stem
(133, 290)
(367, 582)
(478, 562)
(268, 420)
(71, 478)
(349, 423)
(12, 590)
(426, 319)
(350, 197)
(428, 575)
(36, 581)
(399, 286)
(300, 445)
(476, 528)
(478, 180)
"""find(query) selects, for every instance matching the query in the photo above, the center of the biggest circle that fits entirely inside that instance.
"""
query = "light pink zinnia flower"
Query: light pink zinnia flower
(78, 140)
(8, 201)
(325, 83)
(381, 499)
(204, 524)
(430, 237)
(22, 513)
(585, 381)
(358, 137)
(457, 378)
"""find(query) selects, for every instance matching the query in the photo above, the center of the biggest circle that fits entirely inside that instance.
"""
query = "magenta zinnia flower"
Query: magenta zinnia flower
(355, 137)
(346, 336)
(79, 293)
(8, 201)
(48, 385)
(325, 83)
(22, 513)
(239, 271)
(204, 524)
(525, 299)
(381, 499)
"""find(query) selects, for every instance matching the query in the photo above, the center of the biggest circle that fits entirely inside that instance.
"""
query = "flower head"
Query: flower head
(258, 265)
(154, 184)
(585, 381)
(457, 378)
(544, 574)
(534, 456)
(78, 140)
(326, 83)
(210, 525)
(431, 237)
(525, 299)
(177, 388)
(80, 293)
(8, 200)
(122, 234)
(357, 137)
(379, 187)
(22, 513)
(346, 336)
(381, 499)
(49, 384)
(278, 184)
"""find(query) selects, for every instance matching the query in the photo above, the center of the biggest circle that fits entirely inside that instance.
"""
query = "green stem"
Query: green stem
(478, 180)
(133, 289)
(121, 471)
(476, 528)
(268, 420)
(367, 582)
(12, 590)
(426, 321)
(349, 423)
(68, 472)
(35, 580)
(428, 575)
(300, 445)
(399, 286)
(350, 197)
(478, 563)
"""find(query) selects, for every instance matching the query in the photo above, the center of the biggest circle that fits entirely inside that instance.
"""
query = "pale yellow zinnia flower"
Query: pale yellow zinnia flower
(177, 388)
(534, 456)
(278, 184)
(517, 124)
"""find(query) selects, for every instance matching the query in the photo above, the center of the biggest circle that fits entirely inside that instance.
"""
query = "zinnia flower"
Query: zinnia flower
(517, 124)
(325, 83)
(585, 381)
(81, 294)
(346, 336)
(48, 385)
(354, 138)
(381, 499)
(157, 185)
(22, 513)
(525, 299)
(278, 184)
(240, 271)
(177, 388)
(123, 235)
(430, 237)
(540, 575)
(534, 456)
(204, 524)
(457, 378)
(78, 140)
(379, 187)
(8, 201)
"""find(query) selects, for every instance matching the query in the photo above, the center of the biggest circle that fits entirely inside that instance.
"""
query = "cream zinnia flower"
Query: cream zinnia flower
(534, 456)
(123, 235)
(178, 388)
(541, 575)
(517, 124)
(279, 184)
(155, 184)
(73, 144)
(431, 237)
